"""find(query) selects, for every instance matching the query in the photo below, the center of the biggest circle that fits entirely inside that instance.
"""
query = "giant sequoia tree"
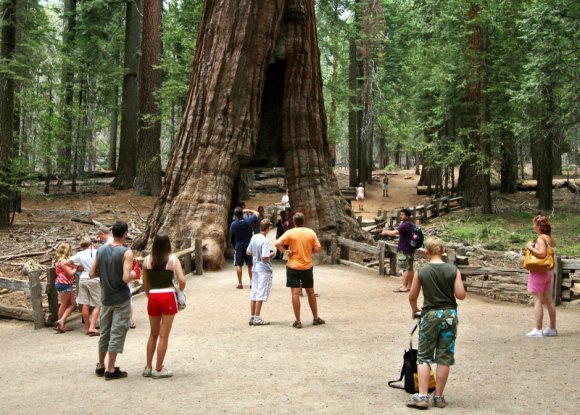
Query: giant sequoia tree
(256, 84)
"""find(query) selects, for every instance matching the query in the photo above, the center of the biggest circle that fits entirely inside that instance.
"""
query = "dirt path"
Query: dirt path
(222, 365)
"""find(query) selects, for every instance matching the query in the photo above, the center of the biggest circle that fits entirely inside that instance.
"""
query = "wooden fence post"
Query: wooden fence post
(451, 256)
(52, 297)
(382, 248)
(393, 261)
(333, 249)
(557, 281)
(187, 257)
(36, 297)
(198, 256)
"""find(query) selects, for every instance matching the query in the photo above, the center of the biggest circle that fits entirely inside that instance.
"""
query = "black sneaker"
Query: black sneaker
(100, 371)
(116, 374)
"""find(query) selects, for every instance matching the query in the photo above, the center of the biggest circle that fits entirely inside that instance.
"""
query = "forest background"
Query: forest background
(482, 87)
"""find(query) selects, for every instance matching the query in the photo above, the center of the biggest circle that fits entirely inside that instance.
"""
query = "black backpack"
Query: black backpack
(417, 237)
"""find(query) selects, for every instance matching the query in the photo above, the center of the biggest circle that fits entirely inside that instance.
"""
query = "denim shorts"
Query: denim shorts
(63, 287)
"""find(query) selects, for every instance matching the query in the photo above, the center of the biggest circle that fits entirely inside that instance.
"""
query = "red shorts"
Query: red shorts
(161, 303)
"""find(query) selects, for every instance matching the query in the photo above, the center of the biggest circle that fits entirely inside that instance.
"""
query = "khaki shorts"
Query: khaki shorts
(405, 261)
(90, 292)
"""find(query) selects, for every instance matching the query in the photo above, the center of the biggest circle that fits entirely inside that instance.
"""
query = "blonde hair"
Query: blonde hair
(434, 245)
(86, 242)
(63, 251)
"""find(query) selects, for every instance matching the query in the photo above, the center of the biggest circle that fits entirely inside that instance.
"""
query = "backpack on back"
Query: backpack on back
(417, 237)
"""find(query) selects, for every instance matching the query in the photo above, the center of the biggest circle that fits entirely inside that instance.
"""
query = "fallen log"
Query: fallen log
(23, 255)
(19, 313)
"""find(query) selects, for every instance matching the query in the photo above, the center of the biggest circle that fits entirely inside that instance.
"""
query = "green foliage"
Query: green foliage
(510, 231)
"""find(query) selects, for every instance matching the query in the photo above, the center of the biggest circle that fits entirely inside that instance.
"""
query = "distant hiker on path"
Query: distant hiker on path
(360, 197)
(386, 185)
(113, 265)
(302, 243)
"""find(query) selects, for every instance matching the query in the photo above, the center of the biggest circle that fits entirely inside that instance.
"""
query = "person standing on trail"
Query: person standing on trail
(64, 284)
(360, 197)
(89, 288)
(241, 231)
(540, 282)
(386, 185)
(302, 243)
(285, 202)
(405, 253)
(441, 284)
(262, 254)
(159, 270)
(114, 266)
(104, 235)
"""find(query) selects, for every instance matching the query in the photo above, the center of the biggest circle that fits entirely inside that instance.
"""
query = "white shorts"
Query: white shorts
(261, 285)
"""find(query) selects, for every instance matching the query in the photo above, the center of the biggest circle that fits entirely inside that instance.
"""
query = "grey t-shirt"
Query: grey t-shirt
(110, 262)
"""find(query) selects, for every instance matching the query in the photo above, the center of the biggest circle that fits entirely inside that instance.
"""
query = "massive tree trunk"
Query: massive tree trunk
(509, 162)
(68, 74)
(7, 20)
(353, 129)
(543, 144)
(148, 180)
(126, 167)
(472, 182)
(238, 42)
(112, 156)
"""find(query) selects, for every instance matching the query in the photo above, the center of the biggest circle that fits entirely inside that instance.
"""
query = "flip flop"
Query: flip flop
(93, 333)
(240, 286)
(401, 290)
(132, 326)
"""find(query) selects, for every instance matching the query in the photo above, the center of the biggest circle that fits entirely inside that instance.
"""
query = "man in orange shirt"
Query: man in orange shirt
(301, 243)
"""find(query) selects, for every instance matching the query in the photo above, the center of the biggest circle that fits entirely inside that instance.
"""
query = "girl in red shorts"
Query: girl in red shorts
(159, 270)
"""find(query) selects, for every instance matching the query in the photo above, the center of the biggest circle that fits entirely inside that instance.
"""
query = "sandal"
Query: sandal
(318, 321)
(401, 290)
(297, 324)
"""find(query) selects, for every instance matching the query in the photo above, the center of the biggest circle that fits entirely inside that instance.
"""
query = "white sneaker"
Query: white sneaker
(259, 322)
(535, 333)
(163, 373)
(550, 332)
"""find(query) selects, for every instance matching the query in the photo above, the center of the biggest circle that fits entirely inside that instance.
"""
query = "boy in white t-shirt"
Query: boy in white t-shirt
(89, 288)
(262, 253)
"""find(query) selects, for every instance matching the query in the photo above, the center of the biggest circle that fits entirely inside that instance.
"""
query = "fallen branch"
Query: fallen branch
(23, 255)
(136, 211)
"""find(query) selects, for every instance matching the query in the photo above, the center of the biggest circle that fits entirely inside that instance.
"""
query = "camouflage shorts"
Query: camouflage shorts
(405, 261)
(437, 333)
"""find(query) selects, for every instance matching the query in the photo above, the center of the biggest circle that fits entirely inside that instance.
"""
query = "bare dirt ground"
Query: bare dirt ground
(222, 365)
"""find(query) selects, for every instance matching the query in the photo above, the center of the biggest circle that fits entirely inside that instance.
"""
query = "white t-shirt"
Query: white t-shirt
(86, 257)
(260, 248)
(286, 201)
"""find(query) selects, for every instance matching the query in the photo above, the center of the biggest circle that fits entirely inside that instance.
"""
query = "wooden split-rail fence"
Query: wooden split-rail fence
(192, 264)
(502, 282)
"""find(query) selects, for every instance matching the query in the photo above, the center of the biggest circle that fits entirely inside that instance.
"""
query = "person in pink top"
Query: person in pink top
(64, 284)
(540, 282)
